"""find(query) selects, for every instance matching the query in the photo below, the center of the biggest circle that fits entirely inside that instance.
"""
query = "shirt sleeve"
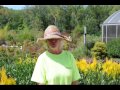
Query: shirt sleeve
(75, 71)
(39, 71)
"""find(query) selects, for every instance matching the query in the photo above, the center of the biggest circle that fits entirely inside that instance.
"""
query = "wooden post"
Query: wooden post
(85, 48)
(85, 35)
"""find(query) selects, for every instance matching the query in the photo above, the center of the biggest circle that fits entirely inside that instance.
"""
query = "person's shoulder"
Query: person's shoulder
(42, 55)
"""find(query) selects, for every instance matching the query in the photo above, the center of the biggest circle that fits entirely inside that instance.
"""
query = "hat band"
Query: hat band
(54, 33)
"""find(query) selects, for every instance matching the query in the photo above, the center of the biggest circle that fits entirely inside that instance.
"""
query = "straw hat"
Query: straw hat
(52, 32)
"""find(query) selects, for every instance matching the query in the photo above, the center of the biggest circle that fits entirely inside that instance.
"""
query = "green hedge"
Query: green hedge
(113, 48)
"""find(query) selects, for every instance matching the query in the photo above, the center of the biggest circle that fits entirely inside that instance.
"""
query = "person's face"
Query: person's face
(54, 43)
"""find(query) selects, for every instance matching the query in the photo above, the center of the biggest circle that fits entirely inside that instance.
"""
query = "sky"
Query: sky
(15, 7)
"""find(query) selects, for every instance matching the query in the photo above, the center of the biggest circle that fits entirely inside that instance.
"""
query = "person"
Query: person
(55, 66)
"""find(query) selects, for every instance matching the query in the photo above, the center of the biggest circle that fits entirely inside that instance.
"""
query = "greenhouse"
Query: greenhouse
(111, 27)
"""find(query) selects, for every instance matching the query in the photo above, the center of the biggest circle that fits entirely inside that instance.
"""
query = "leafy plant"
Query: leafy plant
(99, 50)
(113, 48)
(98, 73)
(22, 70)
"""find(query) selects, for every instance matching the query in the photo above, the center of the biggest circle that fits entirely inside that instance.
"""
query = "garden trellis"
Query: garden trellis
(111, 27)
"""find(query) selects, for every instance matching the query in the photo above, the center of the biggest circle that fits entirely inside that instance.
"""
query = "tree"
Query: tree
(95, 15)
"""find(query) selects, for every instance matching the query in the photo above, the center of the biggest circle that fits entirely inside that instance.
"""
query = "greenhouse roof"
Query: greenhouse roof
(113, 19)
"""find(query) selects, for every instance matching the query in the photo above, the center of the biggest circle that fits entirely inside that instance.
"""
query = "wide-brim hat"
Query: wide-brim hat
(52, 32)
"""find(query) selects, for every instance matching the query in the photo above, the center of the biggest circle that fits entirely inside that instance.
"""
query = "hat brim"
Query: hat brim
(56, 37)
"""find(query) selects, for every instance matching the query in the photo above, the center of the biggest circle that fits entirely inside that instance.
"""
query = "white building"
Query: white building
(111, 27)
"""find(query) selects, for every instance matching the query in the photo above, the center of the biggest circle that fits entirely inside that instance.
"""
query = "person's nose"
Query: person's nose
(53, 41)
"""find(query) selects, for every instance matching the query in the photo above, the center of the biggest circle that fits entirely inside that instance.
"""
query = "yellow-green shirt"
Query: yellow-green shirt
(55, 69)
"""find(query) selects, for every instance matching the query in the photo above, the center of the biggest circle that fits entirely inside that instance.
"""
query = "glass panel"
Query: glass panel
(104, 39)
(118, 30)
(111, 33)
(104, 31)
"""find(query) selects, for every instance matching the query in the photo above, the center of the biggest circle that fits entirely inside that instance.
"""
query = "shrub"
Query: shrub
(99, 50)
(90, 40)
(113, 48)
(22, 70)
(80, 52)
(6, 59)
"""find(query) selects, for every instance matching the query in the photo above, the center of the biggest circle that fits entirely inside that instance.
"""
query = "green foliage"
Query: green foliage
(113, 48)
(11, 36)
(23, 27)
(9, 54)
(25, 34)
(66, 17)
(92, 78)
(90, 22)
(6, 59)
(21, 72)
(3, 33)
(98, 78)
(95, 15)
(114, 8)
(17, 66)
(99, 50)
(77, 32)
(31, 48)
(90, 41)
(80, 52)
(99, 73)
